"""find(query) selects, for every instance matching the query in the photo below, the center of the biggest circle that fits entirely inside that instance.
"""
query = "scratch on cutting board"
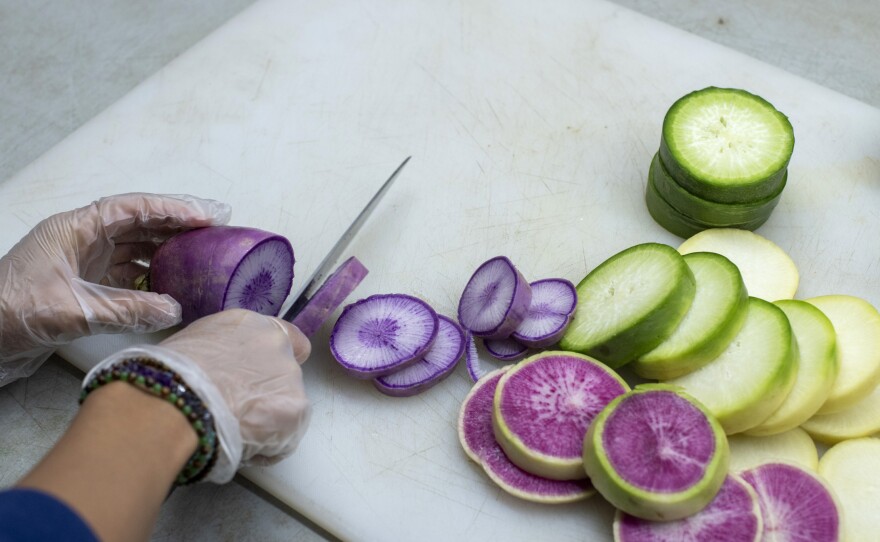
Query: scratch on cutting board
(440, 84)
(262, 79)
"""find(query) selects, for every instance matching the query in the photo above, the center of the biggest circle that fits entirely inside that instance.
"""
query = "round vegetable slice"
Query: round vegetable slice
(505, 349)
(495, 300)
(733, 515)
(852, 469)
(550, 312)
(859, 420)
(437, 363)
(332, 293)
(382, 334)
(630, 303)
(476, 436)
(543, 407)
(656, 453)
(794, 446)
(472, 358)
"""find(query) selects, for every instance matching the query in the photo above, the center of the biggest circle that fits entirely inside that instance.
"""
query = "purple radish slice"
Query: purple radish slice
(223, 267)
(734, 515)
(434, 366)
(553, 304)
(795, 504)
(330, 296)
(472, 358)
(505, 349)
(382, 334)
(544, 406)
(477, 439)
(495, 300)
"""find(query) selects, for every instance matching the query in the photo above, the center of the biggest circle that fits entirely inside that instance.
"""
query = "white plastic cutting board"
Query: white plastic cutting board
(531, 126)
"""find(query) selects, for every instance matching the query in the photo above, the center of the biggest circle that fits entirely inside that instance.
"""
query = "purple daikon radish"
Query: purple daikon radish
(505, 349)
(330, 296)
(472, 358)
(478, 441)
(208, 270)
(382, 334)
(553, 304)
(434, 366)
(495, 300)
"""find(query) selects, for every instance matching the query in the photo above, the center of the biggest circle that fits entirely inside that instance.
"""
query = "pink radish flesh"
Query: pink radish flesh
(330, 296)
(553, 304)
(434, 366)
(382, 334)
(505, 349)
(495, 300)
(472, 358)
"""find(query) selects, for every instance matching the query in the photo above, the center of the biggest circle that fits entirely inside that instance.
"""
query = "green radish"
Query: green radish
(630, 303)
(715, 317)
(859, 420)
(726, 145)
(794, 446)
(749, 380)
(852, 469)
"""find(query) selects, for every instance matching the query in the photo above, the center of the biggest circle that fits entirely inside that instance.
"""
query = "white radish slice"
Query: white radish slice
(794, 446)
(495, 300)
(796, 504)
(332, 293)
(437, 363)
(472, 358)
(860, 420)
(733, 515)
(852, 469)
(543, 407)
(553, 304)
(857, 324)
(505, 349)
(477, 438)
(383, 333)
(768, 272)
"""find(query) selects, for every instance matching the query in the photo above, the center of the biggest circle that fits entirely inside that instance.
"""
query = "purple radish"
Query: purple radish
(553, 304)
(505, 349)
(733, 516)
(477, 439)
(495, 300)
(434, 366)
(382, 334)
(544, 406)
(795, 504)
(656, 453)
(223, 267)
(472, 358)
(330, 296)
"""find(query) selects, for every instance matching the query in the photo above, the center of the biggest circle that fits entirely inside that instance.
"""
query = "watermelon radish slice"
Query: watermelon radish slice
(553, 304)
(505, 349)
(495, 300)
(477, 439)
(656, 453)
(544, 406)
(330, 296)
(734, 515)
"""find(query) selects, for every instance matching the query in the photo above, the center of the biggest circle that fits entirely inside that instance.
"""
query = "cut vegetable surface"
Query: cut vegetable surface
(505, 349)
(472, 358)
(551, 309)
(495, 300)
(543, 407)
(859, 420)
(332, 293)
(794, 446)
(852, 469)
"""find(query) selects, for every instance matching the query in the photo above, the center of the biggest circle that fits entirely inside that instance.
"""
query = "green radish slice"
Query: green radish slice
(630, 303)
(656, 453)
(817, 367)
(794, 446)
(859, 420)
(857, 324)
(749, 380)
(726, 145)
(852, 469)
(716, 315)
(477, 438)
(769, 273)
(543, 407)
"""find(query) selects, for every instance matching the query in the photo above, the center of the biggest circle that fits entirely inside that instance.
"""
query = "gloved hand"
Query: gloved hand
(66, 278)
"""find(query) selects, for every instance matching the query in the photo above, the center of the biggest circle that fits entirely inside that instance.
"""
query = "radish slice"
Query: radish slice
(434, 366)
(478, 441)
(383, 334)
(330, 296)
(553, 304)
(860, 420)
(472, 358)
(495, 300)
(852, 469)
(794, 446)
(505, 349)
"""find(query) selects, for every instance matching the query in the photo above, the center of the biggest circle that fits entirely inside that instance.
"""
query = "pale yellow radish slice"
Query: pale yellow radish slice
(852, 469)
(857, 324)
(768, 272)
(860, 420)
(794, 446)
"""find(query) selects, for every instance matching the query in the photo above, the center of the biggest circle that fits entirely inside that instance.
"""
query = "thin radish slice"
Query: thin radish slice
(796, 504)
(382, 334)
(852, 469)
(543, 407)
(794, 446)
(860, 420)
(434, 366)
(330, 296)
(734, 515)
(553, 304)
(495, 300)
(505, 349)
(477, 439)
(472, 358)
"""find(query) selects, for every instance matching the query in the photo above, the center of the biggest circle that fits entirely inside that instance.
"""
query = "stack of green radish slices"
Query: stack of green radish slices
(722, 163)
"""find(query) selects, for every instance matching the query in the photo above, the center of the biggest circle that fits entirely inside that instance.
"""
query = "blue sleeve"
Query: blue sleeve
(34, 516)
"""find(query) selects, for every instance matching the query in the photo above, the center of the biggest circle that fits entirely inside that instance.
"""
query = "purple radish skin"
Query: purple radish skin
(472, 358)
(505, 349)
(330, 296)
(551, 310)
(495, 300)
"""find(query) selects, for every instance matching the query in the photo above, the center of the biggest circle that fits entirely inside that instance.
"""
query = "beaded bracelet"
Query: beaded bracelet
(156, 379)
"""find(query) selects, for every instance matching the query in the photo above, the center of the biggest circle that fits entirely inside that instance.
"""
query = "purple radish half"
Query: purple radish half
(477, 439)
(495, 300)
(795, 504)
(553, 304)
(472, 358)
(733, 516)
(223, 267)
(505, 349)
(383, 334)
(434, 366)
(544, 406)
(330, 296)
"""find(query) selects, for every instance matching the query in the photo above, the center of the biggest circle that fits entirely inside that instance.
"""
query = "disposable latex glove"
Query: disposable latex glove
(66, 278)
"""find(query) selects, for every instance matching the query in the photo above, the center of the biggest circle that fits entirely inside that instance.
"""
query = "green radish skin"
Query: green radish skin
(793, 446)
